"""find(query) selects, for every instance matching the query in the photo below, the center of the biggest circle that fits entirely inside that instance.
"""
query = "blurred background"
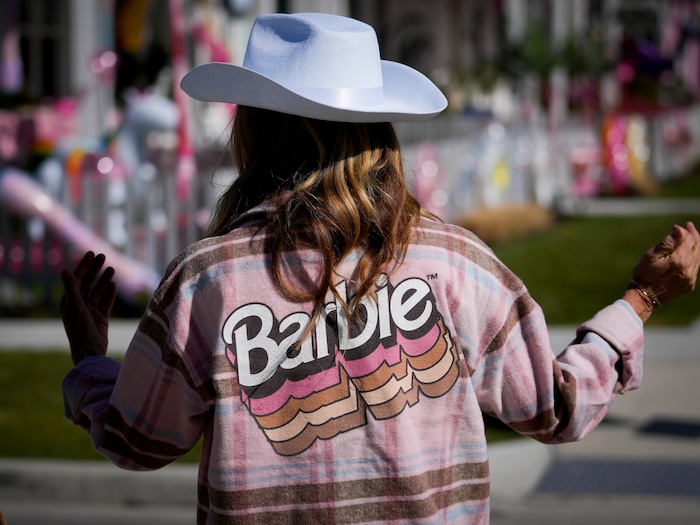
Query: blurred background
(571, 145)
(556, 108)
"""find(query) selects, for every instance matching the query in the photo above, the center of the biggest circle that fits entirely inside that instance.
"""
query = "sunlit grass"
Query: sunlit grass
(581, 265)
(32, 424)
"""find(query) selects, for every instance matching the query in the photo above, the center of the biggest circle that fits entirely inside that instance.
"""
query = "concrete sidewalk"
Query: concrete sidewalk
(627, 206)
(642, 465)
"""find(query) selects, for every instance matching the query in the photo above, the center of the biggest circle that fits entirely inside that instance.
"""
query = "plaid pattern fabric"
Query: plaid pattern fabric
(363, 422)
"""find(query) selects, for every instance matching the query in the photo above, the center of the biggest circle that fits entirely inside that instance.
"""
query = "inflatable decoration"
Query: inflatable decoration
(23, 196)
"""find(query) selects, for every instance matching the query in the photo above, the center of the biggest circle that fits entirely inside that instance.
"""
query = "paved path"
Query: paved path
(628, 206)
(641, 466)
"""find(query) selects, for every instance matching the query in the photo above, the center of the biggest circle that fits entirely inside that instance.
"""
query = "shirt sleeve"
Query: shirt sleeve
(151, 409)
(561, 398)
(86, 393)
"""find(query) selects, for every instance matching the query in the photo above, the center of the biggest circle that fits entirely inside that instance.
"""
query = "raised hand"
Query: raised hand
(668, 270)
(87, 300)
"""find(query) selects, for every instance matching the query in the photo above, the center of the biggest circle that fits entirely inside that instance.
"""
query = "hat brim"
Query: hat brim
(408, 94)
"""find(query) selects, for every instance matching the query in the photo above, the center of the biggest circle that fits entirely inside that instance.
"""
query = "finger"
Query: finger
(108, 298)
(82, 267)
(72, 304)
(71, 288)
(68, 280)
(695, 236)
(101, 286)
(688, 240)
(91, 274)
(667, 245)
(687, 232)
(104, 280)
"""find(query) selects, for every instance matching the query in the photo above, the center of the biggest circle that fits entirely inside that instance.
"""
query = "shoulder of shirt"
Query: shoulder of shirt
(428, 227)
(196, 258)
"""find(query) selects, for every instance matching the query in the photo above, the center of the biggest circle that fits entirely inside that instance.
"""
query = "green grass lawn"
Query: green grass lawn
(583, 264)
(688, 186)
(32, 424)
(31, 408)
(572, 270)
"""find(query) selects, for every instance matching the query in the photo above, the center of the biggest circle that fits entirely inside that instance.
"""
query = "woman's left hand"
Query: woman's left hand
(85, 306)
(666, 271)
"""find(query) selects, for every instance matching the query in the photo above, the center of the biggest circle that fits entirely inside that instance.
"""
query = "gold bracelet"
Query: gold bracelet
(655, 303)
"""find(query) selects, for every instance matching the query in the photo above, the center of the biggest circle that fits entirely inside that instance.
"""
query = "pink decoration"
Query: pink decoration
(104, 67)
(19, 193)
(217, 51)
(185, 165)
(8, 135)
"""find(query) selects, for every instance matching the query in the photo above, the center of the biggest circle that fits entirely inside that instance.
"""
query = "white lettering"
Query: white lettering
(383, 313)
(322, 332)
(347, 342)
(306, 352)
(389, 312)
(245, 344)
(402, 303)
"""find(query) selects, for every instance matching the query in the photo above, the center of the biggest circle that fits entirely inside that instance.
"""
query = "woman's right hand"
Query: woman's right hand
(666, 271)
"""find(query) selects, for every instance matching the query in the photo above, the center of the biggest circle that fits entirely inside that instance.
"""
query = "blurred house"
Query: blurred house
(488, 56)
(550, 101)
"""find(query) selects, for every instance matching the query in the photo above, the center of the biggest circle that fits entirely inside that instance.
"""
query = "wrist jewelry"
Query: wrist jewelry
(655, 303)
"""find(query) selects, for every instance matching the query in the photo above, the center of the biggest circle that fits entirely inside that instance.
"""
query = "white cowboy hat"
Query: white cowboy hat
(318, 66)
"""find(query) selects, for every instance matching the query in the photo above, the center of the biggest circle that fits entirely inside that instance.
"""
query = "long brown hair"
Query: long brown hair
(343, 187)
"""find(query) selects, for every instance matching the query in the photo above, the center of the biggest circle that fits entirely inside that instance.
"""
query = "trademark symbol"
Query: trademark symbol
(432, 276)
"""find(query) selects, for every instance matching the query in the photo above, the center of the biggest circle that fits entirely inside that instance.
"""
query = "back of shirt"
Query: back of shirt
(371, 418)
(374, 417)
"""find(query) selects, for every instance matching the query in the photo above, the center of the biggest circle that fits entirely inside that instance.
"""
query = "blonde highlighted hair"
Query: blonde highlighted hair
(343, 186)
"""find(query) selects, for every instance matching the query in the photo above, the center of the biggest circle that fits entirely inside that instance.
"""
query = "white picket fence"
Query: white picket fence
(454, 163)
(466, 163)
(48, 219)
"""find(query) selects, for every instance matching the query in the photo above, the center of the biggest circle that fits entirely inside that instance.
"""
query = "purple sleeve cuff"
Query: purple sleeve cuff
(88, 387)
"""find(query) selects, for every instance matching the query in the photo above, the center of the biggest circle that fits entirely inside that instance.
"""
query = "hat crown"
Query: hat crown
(314, 51)
(318, 66)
